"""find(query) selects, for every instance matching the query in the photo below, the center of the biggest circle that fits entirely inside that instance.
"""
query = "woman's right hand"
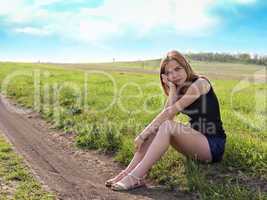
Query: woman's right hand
(166, 81)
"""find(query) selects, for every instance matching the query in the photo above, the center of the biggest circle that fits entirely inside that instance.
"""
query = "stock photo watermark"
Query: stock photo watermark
(49, 93)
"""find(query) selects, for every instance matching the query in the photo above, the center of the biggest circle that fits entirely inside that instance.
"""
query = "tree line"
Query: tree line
(226, 57)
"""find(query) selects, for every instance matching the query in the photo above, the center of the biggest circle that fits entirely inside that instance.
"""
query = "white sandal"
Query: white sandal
(109, 182)
(122, 187)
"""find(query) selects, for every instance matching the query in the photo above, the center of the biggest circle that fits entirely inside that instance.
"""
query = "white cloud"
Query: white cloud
(46, 2)
(183, 15)
(245, 1)
(43, 31)
(112, 19)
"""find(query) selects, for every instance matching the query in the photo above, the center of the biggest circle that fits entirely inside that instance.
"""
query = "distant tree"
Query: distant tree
(226, 57)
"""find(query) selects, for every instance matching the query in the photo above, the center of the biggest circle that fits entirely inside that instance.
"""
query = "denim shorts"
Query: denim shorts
(217, 145)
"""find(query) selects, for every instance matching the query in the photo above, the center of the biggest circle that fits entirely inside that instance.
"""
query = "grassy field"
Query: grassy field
(16, 182)
(215, 69)
(115, 105)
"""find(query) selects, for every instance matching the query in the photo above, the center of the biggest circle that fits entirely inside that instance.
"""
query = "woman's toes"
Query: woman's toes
(117, 178)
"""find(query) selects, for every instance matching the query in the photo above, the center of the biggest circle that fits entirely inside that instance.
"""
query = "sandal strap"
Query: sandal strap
(139, 179)
(121, 186)
(123, 172)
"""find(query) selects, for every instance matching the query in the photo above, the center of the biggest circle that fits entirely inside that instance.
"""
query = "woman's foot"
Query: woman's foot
(117, 178)
(129, 182)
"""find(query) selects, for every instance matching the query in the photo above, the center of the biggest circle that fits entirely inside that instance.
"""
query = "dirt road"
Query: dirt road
(62, 168)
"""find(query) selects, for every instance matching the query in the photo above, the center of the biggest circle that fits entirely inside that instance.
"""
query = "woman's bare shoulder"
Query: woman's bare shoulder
(203, 85)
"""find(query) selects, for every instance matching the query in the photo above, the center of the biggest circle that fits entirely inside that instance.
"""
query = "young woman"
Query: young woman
(204, 139)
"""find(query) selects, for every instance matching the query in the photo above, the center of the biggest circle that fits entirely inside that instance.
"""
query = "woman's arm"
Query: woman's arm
(172, 98)
(199, 87)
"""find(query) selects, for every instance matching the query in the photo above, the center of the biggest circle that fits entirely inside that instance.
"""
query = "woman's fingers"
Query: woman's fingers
(138, 146)
(164, 79)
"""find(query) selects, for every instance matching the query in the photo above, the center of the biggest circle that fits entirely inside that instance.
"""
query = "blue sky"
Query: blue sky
(99, 30)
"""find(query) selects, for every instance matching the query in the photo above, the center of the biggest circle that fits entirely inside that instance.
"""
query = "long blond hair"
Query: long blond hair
(181, 60)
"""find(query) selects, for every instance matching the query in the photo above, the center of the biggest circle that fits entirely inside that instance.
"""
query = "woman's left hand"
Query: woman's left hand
(167, 82)
(172, 110)
(138, 143)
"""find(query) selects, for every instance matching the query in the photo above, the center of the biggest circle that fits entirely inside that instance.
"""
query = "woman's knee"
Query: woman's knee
(167, 127)
(147, 142)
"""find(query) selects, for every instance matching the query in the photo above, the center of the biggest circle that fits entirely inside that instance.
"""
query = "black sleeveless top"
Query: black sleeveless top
(204, 114)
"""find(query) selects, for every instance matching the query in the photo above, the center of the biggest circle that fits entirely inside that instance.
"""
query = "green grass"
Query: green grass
(139, 98)
(16, 181)
(216, 70)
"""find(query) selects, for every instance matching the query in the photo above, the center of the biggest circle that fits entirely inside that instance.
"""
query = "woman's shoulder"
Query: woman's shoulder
(203, 84)
(201, 77)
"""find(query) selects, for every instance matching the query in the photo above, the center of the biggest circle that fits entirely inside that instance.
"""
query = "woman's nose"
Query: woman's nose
(175, 76)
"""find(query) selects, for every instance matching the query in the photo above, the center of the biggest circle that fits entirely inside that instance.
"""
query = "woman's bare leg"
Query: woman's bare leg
(185, 139)
(138, 156)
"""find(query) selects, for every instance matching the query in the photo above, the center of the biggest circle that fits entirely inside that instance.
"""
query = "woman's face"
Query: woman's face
(175, 72)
